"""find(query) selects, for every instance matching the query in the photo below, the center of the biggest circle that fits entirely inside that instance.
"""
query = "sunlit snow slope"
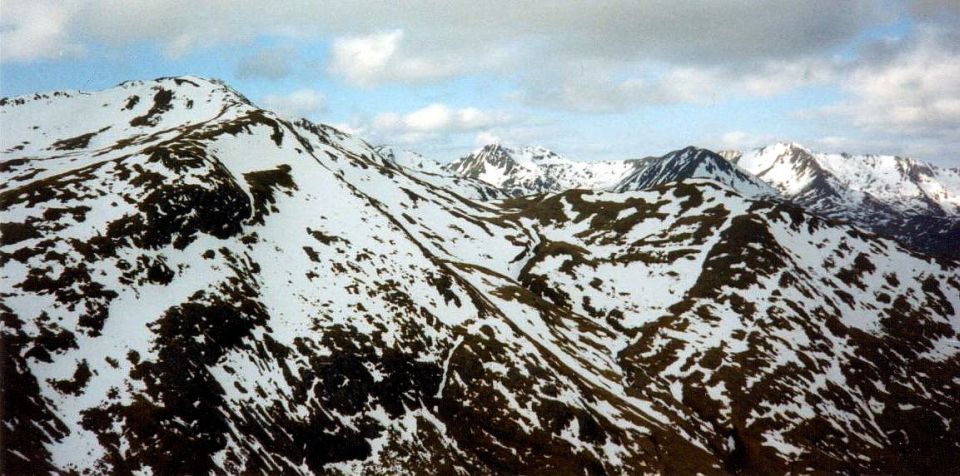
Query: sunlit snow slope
(910, 200)
(533, 170)
(191, 284)
(692, 163)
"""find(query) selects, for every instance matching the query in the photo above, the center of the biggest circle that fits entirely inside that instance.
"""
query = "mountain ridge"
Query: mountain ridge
(905, 198)
(531, 170)
(689, 163)
(219, 289)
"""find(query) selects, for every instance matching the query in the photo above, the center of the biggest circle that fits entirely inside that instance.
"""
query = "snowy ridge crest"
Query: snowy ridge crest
(910, 200)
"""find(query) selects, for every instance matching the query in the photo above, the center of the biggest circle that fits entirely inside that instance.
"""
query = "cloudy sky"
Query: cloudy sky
(590, 79)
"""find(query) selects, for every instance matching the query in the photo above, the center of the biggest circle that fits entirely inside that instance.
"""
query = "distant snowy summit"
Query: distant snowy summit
(534, 170)
(911, 200)
(692, 163)
(904, 184)
(410, 159)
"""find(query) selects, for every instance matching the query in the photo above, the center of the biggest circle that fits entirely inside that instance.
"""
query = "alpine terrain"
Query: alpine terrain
(532, 170)
(913, 201)
(193, 284)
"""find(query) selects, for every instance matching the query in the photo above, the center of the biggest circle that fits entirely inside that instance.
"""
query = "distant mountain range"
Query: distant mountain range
(532, 170)
(192, 284)
(912, 201)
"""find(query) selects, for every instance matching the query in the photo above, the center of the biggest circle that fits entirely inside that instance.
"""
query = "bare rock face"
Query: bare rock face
(192, 284)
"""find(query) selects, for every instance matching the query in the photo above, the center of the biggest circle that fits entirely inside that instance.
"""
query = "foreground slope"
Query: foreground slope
(191, 283)
(910, 200)
(782, 341)
(241, 293)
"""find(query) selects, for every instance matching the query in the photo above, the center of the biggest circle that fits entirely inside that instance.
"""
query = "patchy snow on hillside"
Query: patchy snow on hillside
(194, 284)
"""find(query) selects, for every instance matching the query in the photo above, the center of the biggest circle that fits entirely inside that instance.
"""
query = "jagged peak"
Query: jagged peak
(495, 152)
(902, 162)
(783, 147)
(389, 150)
(537, 151)
(502, 155)
(692, 149)
(491, 148)
(731, 155)
(408, 158)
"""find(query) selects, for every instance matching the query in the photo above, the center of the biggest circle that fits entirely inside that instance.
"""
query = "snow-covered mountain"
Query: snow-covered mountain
(432, 171)
(534, 170)
(690, 163)
(914, 202)
(905, 198)
(191, 284)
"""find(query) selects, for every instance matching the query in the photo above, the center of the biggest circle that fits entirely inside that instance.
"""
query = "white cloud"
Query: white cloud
(601, 87)
(443, 38)
(782, 76)
(434, 127)
(593, 56)
(905, 100)
(363, 59)
(35, 29)
(370, 60)
(598, 87)
(918, 92)
(699, 31)
(438, 117)
(299, 103)
(739, 140)
(607, 55)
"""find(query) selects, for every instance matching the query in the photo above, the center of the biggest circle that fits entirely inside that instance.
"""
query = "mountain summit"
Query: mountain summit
(535, 170)
(690, 163)
(895, 196)
(192, 284)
